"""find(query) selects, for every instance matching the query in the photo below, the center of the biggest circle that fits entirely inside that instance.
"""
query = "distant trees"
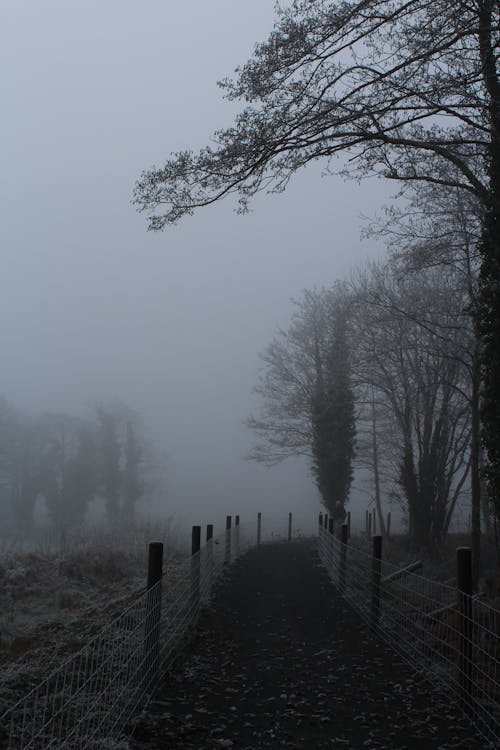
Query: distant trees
(110, 474)
(133, 483)
(68, 462)
(58, 439)
(308, 406)
(22, 460)
(81, 475)
(121, 460)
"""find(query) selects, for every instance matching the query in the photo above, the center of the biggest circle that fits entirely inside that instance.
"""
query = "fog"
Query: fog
(93, 307)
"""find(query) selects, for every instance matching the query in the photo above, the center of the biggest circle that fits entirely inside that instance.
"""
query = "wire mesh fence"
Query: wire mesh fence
(452, 636)
(89, 700)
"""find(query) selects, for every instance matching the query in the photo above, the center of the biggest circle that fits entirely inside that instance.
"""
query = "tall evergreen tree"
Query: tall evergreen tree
(333, 421)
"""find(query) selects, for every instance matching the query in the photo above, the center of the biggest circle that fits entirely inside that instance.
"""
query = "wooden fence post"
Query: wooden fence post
(374, 522)
(376, 570)
(153, 613)
(320, 533)
(464, 592)
(389, 525)
(195, 568)
(325, 520)
(227, 551)
(289, 527)
(366, 525)
(348, 524)
(369, 525)
(210, 553)
(237, 536)
(330, 525)
(344, 535)
(259, 528)
(195, 539)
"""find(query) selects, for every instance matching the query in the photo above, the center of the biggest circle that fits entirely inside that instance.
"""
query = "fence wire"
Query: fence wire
(452, 637)
(89, 701)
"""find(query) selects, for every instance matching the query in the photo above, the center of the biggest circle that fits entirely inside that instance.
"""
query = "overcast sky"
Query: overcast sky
(94, 307)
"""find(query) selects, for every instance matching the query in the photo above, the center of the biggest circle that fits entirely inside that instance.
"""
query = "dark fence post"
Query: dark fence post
(344, 535)
(374, 522)
(289, 527)
(210, 554)
(389, 525)
(195, 539)
(320, 533)
(369, 525)
(325, 520)
(366, 525)
(227, 553)
(464, 587)
(237, 536)
(330, 525)
(376, 570)
(259, 528)
(195, 568)
(153, 613)
(348, 524)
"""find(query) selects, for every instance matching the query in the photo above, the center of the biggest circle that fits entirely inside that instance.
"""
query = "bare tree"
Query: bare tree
(287, 383)
(418, 386)
(441, 228)
(308, 401)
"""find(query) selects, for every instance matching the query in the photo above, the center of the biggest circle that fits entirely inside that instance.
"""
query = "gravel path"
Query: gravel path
(280, 660)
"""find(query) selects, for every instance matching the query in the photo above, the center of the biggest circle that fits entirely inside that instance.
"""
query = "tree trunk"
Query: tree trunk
(376, 475)
(475, 471)
(489, 288)
(485, 504)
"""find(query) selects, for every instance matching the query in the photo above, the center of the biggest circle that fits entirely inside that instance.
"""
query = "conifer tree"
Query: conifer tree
(333, 422)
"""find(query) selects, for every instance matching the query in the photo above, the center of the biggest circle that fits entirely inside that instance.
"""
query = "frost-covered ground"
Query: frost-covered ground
(54, 600)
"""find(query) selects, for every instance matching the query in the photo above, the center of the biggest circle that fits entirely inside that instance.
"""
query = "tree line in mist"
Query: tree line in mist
(69, 461)
(382, 371)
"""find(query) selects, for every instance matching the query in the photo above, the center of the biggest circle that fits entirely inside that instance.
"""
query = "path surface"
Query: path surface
(280, 661)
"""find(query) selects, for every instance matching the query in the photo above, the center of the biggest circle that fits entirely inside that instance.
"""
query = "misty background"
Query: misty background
(93, 307)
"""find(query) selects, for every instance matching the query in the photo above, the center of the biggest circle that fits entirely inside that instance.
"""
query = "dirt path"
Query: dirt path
(281, 661)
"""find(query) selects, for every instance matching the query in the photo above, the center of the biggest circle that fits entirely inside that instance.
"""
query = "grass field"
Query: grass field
(55, 598)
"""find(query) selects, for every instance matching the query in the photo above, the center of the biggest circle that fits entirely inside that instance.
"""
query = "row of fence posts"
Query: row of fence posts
(155, 574)
(464, 595)
(259, 528)
(371, 524)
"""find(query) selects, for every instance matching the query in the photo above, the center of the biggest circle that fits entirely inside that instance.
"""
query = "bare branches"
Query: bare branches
(398, 85)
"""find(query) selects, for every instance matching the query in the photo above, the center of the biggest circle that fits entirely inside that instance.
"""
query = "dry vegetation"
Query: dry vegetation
(54, 600)
(443, 568)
